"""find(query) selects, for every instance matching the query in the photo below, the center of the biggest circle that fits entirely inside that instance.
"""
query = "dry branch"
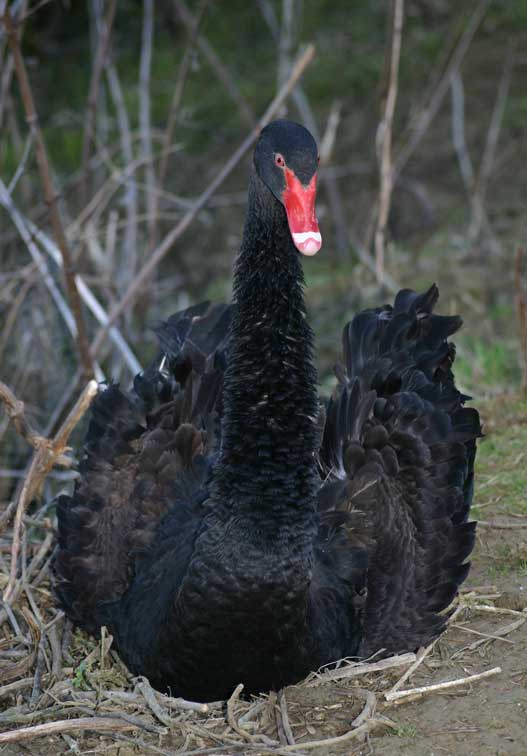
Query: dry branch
(183, 72)
(50, 195)
(355, 669)
(90, 301)
(10, 320)
(145, 128)
(47, 454)
(359, 732)
(415, 692)
(164, 247)
(97, 724)
(168, 136)
(231, 718)
(458, 131)
(15, 411)
(129, 257)
(489, 152)
(31, 233)
(91, 106)
(384, 141)
(430, 109)
(497, 635)
(56, 295)
(284, 714)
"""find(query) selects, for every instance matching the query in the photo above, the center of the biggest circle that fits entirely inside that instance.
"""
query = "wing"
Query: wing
(147, 452)
(397, 456)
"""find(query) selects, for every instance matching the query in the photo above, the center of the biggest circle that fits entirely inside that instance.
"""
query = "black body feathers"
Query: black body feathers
(226, 530)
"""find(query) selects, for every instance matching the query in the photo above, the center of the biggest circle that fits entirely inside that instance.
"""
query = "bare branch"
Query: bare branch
(412, 693)
(168, 137)
(430, 109)
(21, 167)
(183, 71)
(49, 192)
(15, 411)
(458, 131)
(48, 453)
(285, 43)
(10, 320)
(145, 66)
(5, 84)
(27, 230)
(91, 106)
(384, 141)
(95, 724)
(489, 153)
(91, 302)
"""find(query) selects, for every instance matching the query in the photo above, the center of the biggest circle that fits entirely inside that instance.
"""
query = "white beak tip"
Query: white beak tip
(307, 242)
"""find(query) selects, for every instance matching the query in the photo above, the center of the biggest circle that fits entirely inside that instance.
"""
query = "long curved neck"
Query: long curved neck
(269, 432)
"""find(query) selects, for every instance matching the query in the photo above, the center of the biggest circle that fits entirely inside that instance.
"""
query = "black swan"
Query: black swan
(226, 527)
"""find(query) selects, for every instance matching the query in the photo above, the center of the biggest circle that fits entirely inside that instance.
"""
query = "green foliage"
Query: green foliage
(486, 365)
(500, 463)
(507, 562)
(406, 731)
(80, 680)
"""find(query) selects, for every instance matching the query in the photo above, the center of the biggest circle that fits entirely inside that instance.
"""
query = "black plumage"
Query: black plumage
(225, 526)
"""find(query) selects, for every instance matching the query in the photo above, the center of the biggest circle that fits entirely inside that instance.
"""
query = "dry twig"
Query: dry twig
(356, 669)
(384, 141)
(489, 152)
(168, 136)
(175, 104)
(412, 693)
(50, 195)
(231, 717)
(91, 106)
(438, 92)
(284, 714)
(359, 732)
(15, 410)
(47, 454)
(96, 724)
(145, 66)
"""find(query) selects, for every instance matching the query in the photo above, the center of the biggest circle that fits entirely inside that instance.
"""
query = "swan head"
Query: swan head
(286, 160)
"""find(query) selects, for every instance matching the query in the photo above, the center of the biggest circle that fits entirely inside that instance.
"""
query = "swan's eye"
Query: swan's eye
(279, 160)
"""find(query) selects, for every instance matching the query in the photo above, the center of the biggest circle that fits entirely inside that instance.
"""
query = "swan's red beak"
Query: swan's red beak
(299, 203)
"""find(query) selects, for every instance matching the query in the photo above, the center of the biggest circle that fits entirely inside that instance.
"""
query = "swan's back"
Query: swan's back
(398, 461)
(148, 452)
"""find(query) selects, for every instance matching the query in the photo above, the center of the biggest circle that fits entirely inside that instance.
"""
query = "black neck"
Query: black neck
(269, 433)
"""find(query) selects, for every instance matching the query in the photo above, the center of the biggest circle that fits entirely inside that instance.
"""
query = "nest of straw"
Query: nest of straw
(57, 683)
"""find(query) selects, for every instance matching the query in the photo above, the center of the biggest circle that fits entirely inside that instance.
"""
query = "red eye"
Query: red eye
(279, 160)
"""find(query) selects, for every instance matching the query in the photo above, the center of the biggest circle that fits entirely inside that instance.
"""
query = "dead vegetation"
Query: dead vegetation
(69, 687)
